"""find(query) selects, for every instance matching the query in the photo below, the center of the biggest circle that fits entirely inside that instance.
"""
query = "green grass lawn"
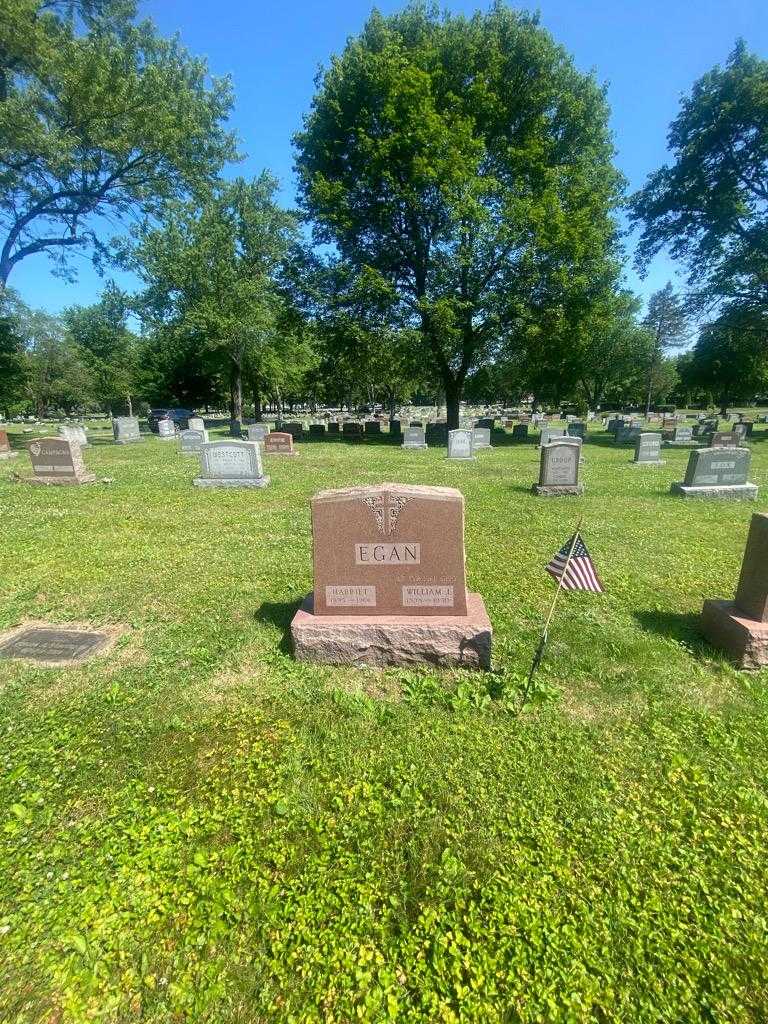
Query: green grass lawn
(197, 828)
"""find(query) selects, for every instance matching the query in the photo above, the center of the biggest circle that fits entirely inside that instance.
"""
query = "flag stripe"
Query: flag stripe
(581, 573)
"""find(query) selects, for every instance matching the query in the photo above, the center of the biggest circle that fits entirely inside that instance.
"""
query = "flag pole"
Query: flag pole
(538, 656)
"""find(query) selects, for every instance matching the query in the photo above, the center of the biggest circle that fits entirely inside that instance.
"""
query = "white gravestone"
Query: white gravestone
(231, 464)
(460, 445)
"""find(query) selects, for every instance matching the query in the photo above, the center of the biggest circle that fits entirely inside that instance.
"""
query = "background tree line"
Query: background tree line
(455, 237)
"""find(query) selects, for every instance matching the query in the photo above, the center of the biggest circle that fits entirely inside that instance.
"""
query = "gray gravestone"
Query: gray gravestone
(192, 441)
(460, 445)
(50, 646)
(717, 473)
(126, 429)
(559, 468)
(648, 450)
(549, 434)
(74, 433)
(681, 437)
(414, 437)
(196, 423)
(520, 432)
(231, 464)
(166, 430)
(481, 437)
(57, 460)
(257, 432)
(577, 429)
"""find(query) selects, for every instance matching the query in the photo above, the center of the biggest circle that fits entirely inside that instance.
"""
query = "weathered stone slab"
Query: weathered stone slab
(462, 641)
(481, 438)
(257, 432)
(230, 464)
(745, 639)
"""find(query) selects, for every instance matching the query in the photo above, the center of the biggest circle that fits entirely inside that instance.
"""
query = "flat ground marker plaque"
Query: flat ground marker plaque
(54, 645)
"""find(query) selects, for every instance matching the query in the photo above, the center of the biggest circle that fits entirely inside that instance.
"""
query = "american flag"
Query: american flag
(581, 573)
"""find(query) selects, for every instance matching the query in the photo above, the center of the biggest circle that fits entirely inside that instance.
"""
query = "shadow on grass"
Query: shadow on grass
(279, 614)
(681, 626)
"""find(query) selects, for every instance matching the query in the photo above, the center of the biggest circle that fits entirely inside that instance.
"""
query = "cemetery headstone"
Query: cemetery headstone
(549, 434)
(5, 447)
(317, 430)
(740, 430)
(559, 468)
(279, 443)
(680, 437)
(627, 435)
(740, 627)
(717, 473)
(724, 439)
(460, 445)
(353, 431)
(196, 423)
(372, 428)
(333, 427)
(74, 433)
(481, 437)
(126, 429)
(191, 441)
(520, 432)
(166, 430)
(390, 581)
(577, 429)
(230, 464)
(414, 438)
(57, 460)
(257, 432)
(235, 428)
(294, 429)
(395, 428)
(648, 450)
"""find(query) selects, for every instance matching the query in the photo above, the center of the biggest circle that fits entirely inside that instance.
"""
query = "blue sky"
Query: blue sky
(649, 53)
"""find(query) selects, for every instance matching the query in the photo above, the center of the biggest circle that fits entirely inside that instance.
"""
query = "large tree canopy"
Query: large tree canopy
(99, 116)
(710, 206)
(465, 161)
(214, 277)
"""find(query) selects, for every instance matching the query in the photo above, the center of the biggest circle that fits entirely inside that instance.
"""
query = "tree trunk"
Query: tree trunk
(236, 393)
(257, 409)
(453, 391)
(130, 405)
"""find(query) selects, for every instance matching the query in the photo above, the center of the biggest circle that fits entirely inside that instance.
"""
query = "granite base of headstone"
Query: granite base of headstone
(717, 473)
(230, 464)
(390, 581)
(740, 627)
(57, 461)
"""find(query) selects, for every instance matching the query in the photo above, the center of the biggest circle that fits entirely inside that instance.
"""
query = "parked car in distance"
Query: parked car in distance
(179, 416)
